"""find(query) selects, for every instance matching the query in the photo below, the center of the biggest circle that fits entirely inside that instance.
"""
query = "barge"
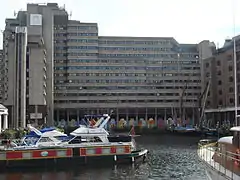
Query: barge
(53, 157)
(85, 145)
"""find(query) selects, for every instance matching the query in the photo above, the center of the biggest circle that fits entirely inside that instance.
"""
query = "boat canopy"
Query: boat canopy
(89, 131)
(44, 130)
(47, 129)
(227, 139)
(53, 133)
(236, 128)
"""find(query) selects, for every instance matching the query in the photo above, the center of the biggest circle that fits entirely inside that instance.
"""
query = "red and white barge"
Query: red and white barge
(85, 145)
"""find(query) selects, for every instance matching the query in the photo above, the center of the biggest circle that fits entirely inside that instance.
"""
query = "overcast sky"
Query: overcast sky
(188, 21)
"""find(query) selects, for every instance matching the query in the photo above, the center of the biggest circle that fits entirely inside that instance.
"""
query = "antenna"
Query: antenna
(14, 13)
(70, 15)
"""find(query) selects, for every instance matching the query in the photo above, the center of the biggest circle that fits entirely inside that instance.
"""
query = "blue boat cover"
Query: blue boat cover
(33, 134)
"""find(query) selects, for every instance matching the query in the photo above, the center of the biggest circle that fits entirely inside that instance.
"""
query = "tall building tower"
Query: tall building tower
(28, 58)
(2, 69)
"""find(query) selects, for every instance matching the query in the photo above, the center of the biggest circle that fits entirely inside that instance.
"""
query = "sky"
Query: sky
(188, 21)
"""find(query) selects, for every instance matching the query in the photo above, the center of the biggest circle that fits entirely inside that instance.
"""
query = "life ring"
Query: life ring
(237, 158)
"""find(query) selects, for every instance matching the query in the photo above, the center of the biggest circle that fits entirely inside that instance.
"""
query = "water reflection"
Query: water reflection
(139, 171)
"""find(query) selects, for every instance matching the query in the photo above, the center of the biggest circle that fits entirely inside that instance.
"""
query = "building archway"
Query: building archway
(4, 117)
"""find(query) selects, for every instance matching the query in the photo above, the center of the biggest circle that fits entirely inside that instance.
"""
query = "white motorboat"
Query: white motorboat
(97, 136)
(40, 138)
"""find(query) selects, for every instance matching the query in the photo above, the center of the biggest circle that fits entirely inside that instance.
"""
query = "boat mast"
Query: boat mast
(235, 81)
(235, 68)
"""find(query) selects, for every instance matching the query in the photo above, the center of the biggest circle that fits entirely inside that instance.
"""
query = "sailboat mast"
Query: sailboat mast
(235, 68)
(235, 81)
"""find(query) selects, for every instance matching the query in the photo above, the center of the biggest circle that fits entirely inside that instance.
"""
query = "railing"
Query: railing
(227, 166)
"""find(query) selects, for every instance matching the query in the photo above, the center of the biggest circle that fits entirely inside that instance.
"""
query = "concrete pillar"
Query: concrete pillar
(67, 116)
(146, 115)
(36, 112)
(58, 115)
(156, 119)
(193, 116)
(165, 114)
(117, 116)
(78, 118)
(127, 118)
(137, 116)
(0, 123)
(5, 121)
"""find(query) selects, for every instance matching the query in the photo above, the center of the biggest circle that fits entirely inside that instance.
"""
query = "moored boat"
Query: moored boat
(187, 130)
(222, 158)
(85, 145)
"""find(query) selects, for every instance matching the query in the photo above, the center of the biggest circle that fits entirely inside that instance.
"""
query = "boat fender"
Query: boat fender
(237, 158)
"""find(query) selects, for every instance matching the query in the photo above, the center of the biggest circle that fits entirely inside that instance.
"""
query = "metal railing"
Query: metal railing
(227, 166)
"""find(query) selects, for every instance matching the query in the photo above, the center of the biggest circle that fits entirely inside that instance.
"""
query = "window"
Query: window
(220, 92)
(219, 72)
(230, 68)
(207, 65)
(76, 140)
(231, 89)
(230, 79)
(45, 139)
(208, 103)
(229, 58)
(218, 63)
(219, 82)
(207, 74)
(231, 100)
(220, 102)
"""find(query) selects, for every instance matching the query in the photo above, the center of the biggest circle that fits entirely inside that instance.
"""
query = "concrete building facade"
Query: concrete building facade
(137, 77)
(28, 58)
(2, 69)
(72, 71)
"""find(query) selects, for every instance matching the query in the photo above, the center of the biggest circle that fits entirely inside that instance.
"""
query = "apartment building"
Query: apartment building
(219, 72)
(136, 77)
(71, 71)
(28, 62)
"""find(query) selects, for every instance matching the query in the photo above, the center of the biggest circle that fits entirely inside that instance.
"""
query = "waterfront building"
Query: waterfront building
(219, 71)
(1, 75)
(28, 64)
(84, 73)
(136, 77)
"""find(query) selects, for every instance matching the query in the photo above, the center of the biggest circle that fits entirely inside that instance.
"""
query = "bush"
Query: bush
(12, 134)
